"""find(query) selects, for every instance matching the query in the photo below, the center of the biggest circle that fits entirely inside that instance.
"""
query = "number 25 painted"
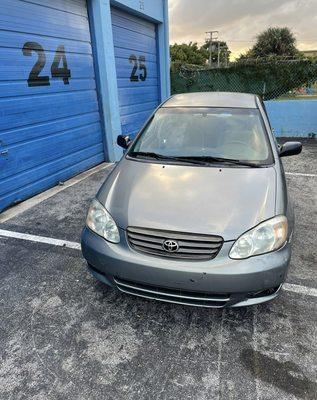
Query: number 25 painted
(138, 64)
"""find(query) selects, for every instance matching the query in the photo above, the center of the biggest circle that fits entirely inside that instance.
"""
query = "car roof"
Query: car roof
(213, 99)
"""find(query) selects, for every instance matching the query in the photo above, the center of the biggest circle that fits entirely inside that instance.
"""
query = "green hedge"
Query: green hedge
(269, 79)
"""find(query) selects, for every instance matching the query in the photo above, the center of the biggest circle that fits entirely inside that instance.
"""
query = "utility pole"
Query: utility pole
(213, 35)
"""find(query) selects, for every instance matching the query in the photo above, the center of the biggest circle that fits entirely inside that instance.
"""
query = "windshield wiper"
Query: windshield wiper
(157, 156)
(210, 159)
(200, 160)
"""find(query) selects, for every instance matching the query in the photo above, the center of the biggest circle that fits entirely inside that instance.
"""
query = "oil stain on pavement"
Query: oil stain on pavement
(284, 375)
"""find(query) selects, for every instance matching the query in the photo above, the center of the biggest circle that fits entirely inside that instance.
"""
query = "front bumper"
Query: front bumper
(220, 282)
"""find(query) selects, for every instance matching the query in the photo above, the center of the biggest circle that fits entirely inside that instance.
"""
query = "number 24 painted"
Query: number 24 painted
(56, 71)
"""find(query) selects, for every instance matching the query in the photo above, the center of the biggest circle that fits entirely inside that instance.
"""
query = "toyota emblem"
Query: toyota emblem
(171, 246)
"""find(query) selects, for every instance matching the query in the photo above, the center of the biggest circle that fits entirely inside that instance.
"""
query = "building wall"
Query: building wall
(293, 117)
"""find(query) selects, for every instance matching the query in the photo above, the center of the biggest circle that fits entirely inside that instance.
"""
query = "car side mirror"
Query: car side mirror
(123, 141)
(290, 149)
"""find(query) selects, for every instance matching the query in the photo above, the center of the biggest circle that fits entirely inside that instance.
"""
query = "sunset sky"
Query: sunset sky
(238, 21)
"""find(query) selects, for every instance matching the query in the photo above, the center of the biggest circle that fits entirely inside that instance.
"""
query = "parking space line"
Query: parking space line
(33, 201)
(299, 174)
(308, 291)
(255, 347)
(289, 287)
(40, 239)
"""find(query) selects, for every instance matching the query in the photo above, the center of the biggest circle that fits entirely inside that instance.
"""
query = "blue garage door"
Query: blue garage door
(135, 47)
(49, 116)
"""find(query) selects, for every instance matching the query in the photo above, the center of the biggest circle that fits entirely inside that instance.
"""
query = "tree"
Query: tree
(192, 54)
(224, 52)
(188, 54)
(273, 42)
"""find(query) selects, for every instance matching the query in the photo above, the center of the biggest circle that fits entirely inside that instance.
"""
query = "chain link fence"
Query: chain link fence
(269, 79)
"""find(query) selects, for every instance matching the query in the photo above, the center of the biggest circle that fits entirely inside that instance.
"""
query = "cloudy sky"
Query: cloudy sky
(238, 21)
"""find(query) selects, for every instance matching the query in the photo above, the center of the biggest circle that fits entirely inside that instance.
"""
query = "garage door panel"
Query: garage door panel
(27, 17)
(69, 6)
(16, 40)
(124, 69)
(131, 96)
(128, 19)
(23, 110)
(132, 123)
(20, 89)
(15, 66)
(49, 148)
(51, 180)
(126, 53)
(151, 82)
(127, 39)
(49, 130)
(135, 108)
(138, 118)
(31, 176)
(134, 24)
(137, 78)
(25, 134)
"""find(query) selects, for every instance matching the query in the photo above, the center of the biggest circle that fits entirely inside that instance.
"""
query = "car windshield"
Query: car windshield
(230, 133)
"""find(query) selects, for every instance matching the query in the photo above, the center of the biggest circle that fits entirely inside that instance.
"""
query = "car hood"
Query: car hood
(189, 198)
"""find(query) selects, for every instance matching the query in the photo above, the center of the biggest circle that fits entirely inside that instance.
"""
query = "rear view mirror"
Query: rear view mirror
(123, 141)
(290, 149)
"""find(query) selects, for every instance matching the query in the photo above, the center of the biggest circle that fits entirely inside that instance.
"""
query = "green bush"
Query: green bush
(270, 79)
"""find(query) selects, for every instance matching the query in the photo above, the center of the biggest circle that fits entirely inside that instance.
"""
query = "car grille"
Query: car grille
(191, 246)
(186, 297)
(215, 300)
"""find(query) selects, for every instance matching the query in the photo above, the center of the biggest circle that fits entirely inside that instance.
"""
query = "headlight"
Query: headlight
(264, 238)
(101, 222)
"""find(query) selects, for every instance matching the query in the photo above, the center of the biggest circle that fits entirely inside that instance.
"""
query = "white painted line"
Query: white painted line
(300, 174)
(289, 287)
(40, 239)
(27, 204)
(255, 347)
(308, 291)
(220, 347)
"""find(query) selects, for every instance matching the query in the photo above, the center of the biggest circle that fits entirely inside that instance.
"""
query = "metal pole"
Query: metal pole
(210, 47)
(211, 39)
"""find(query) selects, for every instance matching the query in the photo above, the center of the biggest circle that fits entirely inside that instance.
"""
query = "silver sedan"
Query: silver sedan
(196, 212)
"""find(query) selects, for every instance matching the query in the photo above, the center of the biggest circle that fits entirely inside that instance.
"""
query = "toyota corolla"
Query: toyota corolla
(196, 212)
